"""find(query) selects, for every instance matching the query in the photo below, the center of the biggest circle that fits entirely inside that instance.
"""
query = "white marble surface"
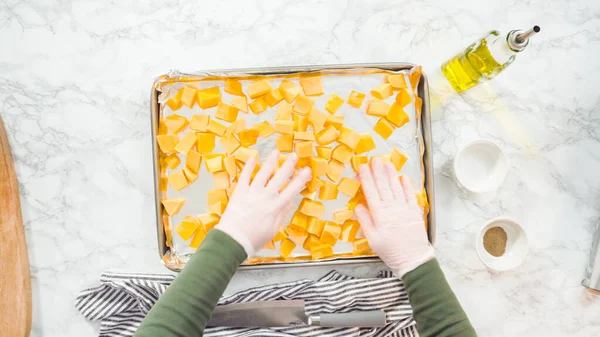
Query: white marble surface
(74, 93)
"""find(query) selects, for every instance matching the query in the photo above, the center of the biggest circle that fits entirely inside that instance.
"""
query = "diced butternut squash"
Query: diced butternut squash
(403, 98)
(226, 112)
(289, 90)
(303, 162)
(342, 153)
(258, 106)
(312, 85)
(259, 88)
(198, 237)
(356, 99)
(311, 208)
(178, 180)
(244, 154)
(217, 208)
(397, 116)
(284, 112)
(318, 166)
(162, 128)
(248, 137)
(398, 158)
(285, 143)
(303, 105)
(214, 196)
(337, 121)
(186, 143)
(281, 234)
(173, 206)
(311, 241)
(209, 220)
(300, 123)
(240, 125)
(205, 142)
(176, 123)
(234, 87)
(342, 215)
(315, 226)
(172, 161)
(335, 169)
(349, 186)
(304, 135)
(229, 143)
(327, 135)
(359, 198)
(331, 233)
(273, 97)
(378, 108)
(314, 184)
(269, 245)
(328, 191)
(193, 160)
(349, 230)
(303, 149)
(287, 246)
(241, 103)
(214, 164)
(188, 96)
(422, 199)
(231, 189)
(230, 167)
(265, 129)
(349, 137)
(284, 127)
(221, 180)
(397, 81)
(324, 152)
(216, 128)
(317, 119)
(382, 91)
(357, 161)
(209, 97)
(174, 102)
(365, 143)
(190, 175)
(321, 251)
(384, 128)
(296, 231)
(334, 102)
(199, 122)
(300, 220)
(361, 245)
(187, 227)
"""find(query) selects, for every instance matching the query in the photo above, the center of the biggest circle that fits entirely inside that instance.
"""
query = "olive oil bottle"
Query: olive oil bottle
(486, 58)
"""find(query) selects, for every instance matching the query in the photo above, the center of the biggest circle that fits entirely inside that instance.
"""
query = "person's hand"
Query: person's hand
(257, 208)
(394, 227)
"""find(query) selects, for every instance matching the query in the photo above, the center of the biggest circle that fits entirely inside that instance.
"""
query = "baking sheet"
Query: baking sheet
(409, 139)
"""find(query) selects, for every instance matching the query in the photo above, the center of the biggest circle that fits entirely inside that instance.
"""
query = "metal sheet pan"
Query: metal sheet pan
(422, 91)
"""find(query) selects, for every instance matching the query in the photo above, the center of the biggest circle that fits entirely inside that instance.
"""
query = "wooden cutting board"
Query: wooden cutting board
(15, 282)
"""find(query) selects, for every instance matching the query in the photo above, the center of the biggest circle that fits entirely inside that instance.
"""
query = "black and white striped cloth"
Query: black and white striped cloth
(121, 302)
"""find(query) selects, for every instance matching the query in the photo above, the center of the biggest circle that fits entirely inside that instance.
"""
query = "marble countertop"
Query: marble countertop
(75, 79)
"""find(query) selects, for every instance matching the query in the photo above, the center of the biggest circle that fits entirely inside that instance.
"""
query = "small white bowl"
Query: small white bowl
(481, 166)
(517, 245)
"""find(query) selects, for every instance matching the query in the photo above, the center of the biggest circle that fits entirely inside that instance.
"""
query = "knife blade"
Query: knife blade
(289, 313)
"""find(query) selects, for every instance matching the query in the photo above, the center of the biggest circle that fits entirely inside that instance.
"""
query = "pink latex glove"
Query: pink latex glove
(393, 224)
(257, 208)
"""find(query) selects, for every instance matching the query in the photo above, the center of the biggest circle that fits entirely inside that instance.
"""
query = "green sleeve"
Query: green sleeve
(435, 307)
(186, 306)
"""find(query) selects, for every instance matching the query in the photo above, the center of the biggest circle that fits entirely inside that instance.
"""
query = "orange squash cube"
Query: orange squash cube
(328, 191)
(349, 230)
(321, 252)
(287, 246)
(259, 88)
(167, 143)
(205, 142)
(244, 154)
(296, 232)
(216, 128)
(239, 125)
(327, 135)
(342, 153)
(349, 137)
(303, 162)
(359, 198)
(285, 143)
(214, 164)
(311, 241)
(397, 116)
(193, 160)
(318, 166)
(209, 97)
(186, 143)
(312, 85)
(229, 143)
(174, 102)
(221, 180)
(311, 208)
(303, 149)
(324, 152)
(173, 206)
(349, 186)
(357, 161)
(336, 121)
(314, 184)
(304, 135)
(248, 137)
(422, 198)
(284, 127)
(335, 169)
(241, 103)
(397, 81)
(209, 221)
(361, 245)
(199, 122)
(226, 112)
(281, 234)
(378, 108)
(384, 128)
(198, 237)
(214, 196)
(403, 98)
(300, 123)
(398, 158)
(217, 208)
(343, 215)
(300, 220)
(234, 87)
(290, 90)
(382, 91)
(188, 96)
(356, 98)
(273, 97)
(317, 119)
(258, 106)
(315, 226)
(365, 143)
(176, 123)
(284, 112)
(190, 175)
(230, 167)
(269, 245)
(303, 105)
(187, 227)
(331, 233)
(162, 128)
(265, 129)
(334, 102)
(178, 180)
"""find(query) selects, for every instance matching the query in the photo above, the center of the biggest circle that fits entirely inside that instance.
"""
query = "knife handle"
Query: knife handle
(361, 319)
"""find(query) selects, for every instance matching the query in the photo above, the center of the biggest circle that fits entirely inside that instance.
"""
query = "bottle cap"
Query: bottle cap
(518, 39)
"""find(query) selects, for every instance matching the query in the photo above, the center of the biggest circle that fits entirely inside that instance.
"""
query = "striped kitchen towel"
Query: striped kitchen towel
(121, 302)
